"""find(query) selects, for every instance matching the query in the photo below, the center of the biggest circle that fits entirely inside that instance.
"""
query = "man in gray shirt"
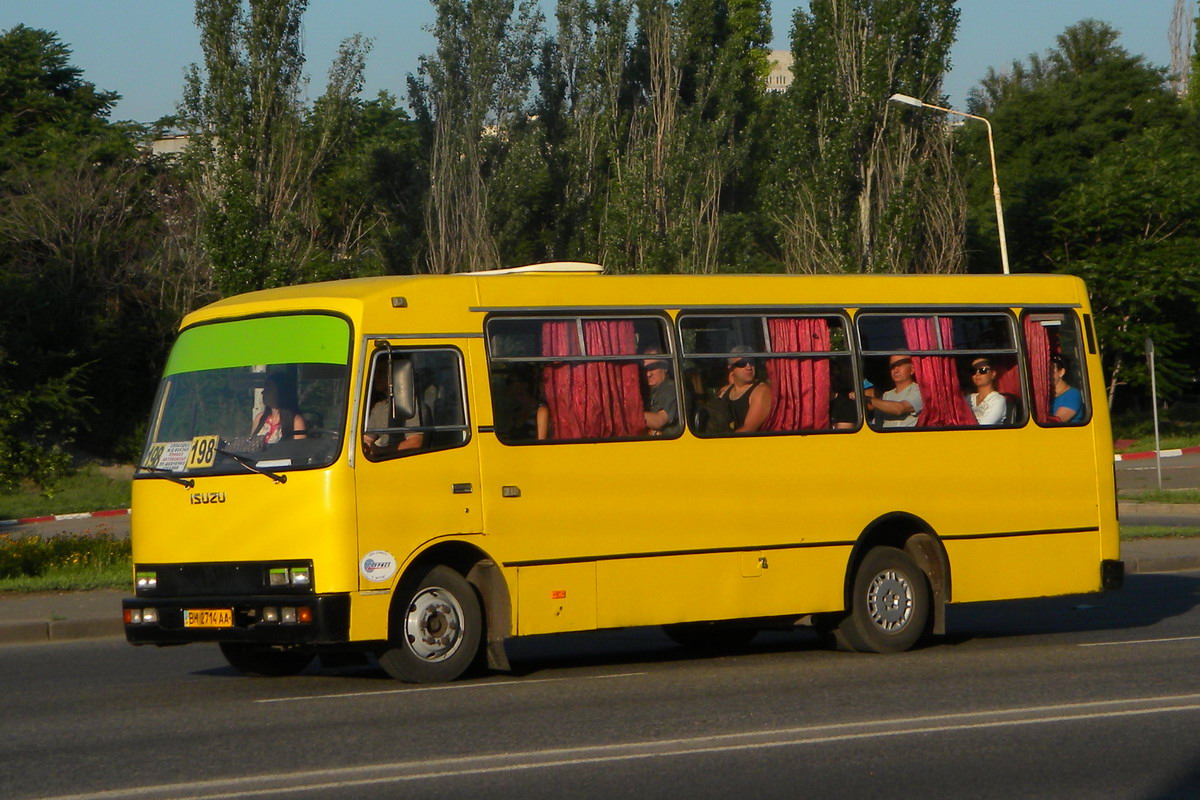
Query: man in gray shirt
(899, 407)
(662, 408)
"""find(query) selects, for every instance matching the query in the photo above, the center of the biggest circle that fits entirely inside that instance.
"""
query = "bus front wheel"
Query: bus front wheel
(889, 605)
(436, 627)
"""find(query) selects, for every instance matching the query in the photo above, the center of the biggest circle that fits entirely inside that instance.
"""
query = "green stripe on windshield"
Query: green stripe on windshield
(299, 339)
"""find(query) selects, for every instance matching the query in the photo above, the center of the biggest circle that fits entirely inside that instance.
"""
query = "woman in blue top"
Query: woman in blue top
(1068, 402)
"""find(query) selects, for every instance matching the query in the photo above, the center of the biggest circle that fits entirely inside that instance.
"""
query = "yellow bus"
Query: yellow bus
(418, 468)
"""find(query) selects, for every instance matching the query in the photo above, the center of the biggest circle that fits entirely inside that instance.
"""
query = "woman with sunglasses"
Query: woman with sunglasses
(988, 404)
(749, 399)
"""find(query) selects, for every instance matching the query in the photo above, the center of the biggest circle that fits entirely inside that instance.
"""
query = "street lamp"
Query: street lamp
(904, 99)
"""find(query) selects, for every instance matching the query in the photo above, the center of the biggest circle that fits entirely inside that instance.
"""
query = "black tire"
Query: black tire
(710, 636)
(265, 660)
(435, 629)
(889, 605)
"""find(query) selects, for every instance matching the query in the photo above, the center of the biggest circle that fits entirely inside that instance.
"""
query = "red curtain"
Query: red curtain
(936, 375)
(1037, 344)
(800, 385)
(594, 399)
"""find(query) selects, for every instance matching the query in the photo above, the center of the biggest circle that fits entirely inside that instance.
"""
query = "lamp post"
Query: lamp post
(904, 99)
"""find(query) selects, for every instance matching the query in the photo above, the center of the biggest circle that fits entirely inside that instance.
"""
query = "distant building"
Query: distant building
(780, 77)
(169, 144)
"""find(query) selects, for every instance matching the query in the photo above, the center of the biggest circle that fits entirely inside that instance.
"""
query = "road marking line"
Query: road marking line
(1141, 641)
(450, 688)
(461, 766)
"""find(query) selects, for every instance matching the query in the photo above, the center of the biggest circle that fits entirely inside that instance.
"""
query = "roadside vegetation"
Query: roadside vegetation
(64, 563)
(86, 489)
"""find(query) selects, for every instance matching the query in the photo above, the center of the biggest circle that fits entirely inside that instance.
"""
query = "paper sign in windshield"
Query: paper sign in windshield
(174, 456)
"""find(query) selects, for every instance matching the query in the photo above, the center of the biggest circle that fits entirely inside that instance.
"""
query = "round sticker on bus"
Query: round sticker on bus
(377, 566)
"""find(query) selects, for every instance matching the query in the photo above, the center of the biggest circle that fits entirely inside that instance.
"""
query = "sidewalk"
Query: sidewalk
(62, 616)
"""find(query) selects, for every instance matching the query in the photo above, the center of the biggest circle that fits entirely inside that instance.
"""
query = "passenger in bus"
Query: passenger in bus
(750, 399)
(1068, 402)
(986, 401)
(280, 418)
(662, 402)
(843, 412)
(900, 406)
(380, 416)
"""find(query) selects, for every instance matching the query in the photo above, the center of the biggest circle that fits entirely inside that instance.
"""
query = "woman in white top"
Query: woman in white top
(987, 403)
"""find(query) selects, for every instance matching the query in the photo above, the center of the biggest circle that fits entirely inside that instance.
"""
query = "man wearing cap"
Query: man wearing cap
(899, 407)
(662, 407)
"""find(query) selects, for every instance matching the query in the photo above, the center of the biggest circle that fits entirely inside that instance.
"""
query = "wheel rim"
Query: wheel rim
(434, 623)
(890, 601)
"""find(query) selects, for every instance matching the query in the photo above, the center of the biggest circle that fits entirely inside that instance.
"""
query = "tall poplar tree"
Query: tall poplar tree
(244, 111)
(860, 190)
(469, 97)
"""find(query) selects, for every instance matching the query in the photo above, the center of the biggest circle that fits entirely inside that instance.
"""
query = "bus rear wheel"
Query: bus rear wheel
(436, 628)
(265, 660)
(889, 605)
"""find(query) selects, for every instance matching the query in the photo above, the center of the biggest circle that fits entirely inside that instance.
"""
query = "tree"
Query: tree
(468, 98)
(1052, 117)
(696, 88)
(1131, 229)
(369, 201)
(253, 167)
(856, 191)
(78, 231)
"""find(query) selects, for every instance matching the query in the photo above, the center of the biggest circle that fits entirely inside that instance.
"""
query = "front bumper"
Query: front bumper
(330, 619)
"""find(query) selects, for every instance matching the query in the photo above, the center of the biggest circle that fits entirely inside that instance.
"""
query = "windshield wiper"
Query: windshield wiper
(169, 475)
(250, 465)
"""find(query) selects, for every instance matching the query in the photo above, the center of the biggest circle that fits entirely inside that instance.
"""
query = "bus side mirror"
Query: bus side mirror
(404, 395)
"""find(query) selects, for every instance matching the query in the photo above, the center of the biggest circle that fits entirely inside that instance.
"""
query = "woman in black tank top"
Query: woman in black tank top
(749, 399)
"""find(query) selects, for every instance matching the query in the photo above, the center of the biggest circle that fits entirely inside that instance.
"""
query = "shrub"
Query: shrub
(31, 556)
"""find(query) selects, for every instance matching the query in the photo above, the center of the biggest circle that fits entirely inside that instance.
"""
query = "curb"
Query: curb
(119, 512)
(1168, 564)
(1178, 451)
(33, 631)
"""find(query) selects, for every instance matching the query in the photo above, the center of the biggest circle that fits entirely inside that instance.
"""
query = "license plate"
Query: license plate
(208, 618)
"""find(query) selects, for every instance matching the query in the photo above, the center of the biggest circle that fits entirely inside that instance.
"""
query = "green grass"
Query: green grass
(1145, 444)
(113, 576)
(86, 490)
(1182, 496)
(1157, 532)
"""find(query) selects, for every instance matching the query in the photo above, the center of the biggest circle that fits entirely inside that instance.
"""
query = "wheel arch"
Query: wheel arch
(917, 538)
(485, 577)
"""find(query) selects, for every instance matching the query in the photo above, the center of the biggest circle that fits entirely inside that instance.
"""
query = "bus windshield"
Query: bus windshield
(265, 393)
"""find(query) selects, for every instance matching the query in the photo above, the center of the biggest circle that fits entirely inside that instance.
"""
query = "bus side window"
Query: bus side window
(415, 403)
(561, 379)
(1057, 368)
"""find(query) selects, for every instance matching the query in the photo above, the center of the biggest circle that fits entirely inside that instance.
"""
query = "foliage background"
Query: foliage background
(635, 133)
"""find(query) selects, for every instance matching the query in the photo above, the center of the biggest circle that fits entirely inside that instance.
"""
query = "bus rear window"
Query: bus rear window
(267, 393)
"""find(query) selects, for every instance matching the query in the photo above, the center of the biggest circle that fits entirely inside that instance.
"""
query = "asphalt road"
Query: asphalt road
(1178, 472)
(1081, 697)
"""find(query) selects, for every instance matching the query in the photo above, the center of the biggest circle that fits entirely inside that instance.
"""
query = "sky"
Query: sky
(140, 48)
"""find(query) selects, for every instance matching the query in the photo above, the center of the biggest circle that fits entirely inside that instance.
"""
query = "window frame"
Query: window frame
(383, 349)
(668, 343)
(1015, 350)
(847, 352)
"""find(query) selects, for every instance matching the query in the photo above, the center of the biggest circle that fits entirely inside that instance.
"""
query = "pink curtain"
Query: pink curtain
(1008, 379)
(800, 385)
(595, 399)
(1037, 344)
(936, 375)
